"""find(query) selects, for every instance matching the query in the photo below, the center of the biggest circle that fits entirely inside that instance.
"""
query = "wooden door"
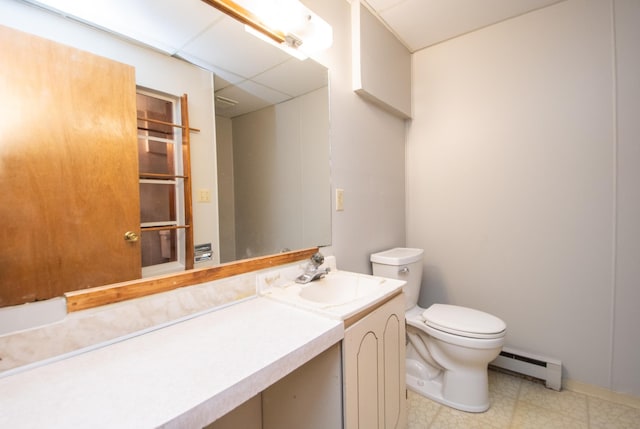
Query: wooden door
(68, 169)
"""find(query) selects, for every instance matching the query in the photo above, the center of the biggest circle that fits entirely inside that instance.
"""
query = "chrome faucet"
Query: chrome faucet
(312, 271)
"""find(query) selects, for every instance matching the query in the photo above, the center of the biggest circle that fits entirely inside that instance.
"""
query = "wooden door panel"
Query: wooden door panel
(68, 169)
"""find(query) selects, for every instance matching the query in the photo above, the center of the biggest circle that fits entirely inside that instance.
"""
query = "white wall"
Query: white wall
(226, 200)
(367, 156)
(626, 339)
(281, 176)
(521, 188)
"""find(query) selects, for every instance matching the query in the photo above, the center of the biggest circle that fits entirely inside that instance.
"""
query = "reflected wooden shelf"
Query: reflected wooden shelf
(169, 124)
(161, 176)
(163, 228)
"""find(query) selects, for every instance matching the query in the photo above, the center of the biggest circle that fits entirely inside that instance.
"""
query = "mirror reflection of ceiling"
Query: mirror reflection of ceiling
(249, 73)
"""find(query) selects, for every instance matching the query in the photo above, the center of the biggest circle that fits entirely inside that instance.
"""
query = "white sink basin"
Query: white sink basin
(339, 288)
(339, 295)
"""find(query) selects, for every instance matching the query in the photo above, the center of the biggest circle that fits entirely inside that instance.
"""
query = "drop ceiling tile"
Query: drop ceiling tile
(421, 23)
(294, 77)
(239, 100)
(220, 83)
(163, 24)
(231, 102)
(229, 47)
(169, 22)
(228, 76)
(381, 5)
(262, 92)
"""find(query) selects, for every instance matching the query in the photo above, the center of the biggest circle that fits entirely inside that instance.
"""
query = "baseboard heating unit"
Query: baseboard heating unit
(546, 369)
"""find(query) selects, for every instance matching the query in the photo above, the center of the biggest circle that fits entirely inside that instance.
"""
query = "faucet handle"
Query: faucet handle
(317, 259)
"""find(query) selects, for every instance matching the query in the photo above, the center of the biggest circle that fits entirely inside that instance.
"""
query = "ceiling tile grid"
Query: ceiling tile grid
(422, 23)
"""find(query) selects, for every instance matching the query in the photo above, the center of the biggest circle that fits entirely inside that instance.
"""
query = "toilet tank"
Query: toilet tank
(404, 264)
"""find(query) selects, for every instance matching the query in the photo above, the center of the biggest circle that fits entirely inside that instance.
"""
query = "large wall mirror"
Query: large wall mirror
(268, 172)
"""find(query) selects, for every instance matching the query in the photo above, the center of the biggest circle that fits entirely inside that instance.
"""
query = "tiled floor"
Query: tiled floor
(520, 403)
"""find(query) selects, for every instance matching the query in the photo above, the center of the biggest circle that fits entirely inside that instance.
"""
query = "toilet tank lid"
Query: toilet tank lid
(398, 256)
(463, 320)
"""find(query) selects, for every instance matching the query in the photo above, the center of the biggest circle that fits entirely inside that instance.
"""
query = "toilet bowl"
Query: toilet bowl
(448, 347)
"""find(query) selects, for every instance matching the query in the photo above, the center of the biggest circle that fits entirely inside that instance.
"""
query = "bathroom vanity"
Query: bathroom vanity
(358, 383)
(373, 348)
(183, 376)
(264, 363)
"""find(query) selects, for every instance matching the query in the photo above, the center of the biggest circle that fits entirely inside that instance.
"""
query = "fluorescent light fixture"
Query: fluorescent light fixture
(283, 45)
(247, 17)
(287, 23)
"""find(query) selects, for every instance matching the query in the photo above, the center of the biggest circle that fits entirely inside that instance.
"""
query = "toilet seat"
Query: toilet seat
(463, 321)
(415, 319)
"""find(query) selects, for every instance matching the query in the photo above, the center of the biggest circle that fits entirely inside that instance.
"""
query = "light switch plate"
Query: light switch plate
(204, 196)
(339, 199)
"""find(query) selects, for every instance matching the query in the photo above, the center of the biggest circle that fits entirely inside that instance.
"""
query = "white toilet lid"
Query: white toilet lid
(463, 321)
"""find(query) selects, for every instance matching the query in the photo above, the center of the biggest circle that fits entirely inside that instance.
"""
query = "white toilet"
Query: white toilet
(448, 347)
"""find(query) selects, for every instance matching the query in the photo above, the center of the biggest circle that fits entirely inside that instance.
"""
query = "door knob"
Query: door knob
(130, 236)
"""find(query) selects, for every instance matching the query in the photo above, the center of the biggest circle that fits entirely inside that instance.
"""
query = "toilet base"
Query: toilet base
(433, 388)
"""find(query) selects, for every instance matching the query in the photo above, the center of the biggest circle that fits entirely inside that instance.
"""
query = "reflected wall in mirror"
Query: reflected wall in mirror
(244, 67)
(273, 170)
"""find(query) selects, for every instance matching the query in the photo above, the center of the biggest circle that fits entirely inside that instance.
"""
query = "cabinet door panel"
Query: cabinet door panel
(368, 387)
(374, 369)
(360, 361)
(68, 169)
(394, 372)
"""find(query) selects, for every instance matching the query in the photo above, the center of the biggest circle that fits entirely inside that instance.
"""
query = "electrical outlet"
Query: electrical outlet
(339, 200)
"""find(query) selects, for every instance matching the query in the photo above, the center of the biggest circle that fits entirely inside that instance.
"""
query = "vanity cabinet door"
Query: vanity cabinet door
(374, 369)
(68, 169)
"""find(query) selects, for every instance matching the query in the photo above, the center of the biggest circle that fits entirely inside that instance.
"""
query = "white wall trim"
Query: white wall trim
(614, 209)
(601, 393)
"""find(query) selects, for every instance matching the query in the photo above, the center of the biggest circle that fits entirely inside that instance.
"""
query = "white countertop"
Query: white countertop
(184, 375)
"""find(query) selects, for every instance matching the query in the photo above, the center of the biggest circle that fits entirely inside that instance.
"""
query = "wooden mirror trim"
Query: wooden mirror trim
(117, 292)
